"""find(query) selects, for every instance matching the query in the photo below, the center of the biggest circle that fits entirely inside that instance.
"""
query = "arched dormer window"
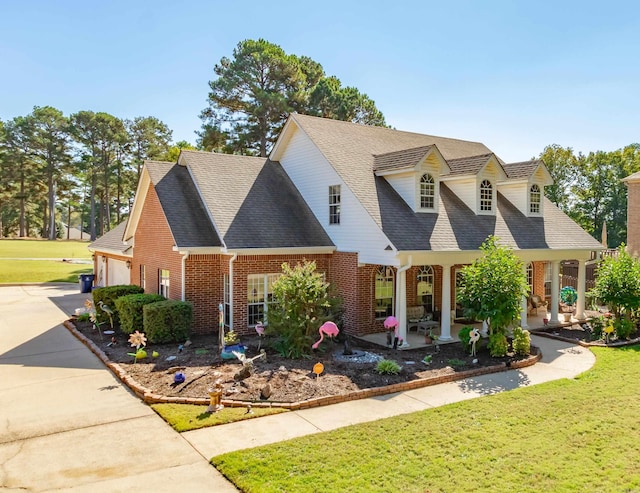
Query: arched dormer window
(427, 192)
(486, 196)
(534, 199)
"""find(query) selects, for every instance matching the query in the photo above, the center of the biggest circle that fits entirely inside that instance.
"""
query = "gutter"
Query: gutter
(231, 261)
(184, 274)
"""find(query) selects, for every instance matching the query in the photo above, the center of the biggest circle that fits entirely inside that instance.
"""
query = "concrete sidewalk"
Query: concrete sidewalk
(560, 360)
(66, 423)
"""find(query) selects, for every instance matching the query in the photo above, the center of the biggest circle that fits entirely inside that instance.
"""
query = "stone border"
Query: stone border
(151, 398)
(543, 333)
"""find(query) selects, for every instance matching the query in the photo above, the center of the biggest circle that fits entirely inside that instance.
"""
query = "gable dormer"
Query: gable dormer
(414, 174)
(474, 180)
(524, 186)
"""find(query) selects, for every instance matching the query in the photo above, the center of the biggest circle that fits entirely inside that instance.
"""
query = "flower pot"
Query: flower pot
(227, 351)
(567, 317)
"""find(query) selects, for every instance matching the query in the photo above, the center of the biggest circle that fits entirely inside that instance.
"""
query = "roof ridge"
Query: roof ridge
(409, 149)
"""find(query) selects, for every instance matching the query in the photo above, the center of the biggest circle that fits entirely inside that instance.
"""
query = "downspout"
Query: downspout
(401, 301)
(184, 274)
(231, 261)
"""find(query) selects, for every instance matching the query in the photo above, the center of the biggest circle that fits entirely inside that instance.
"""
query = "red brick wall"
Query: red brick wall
(343, 272)
(538, 278)
(154, 248)
(204, 284)
(633, 219)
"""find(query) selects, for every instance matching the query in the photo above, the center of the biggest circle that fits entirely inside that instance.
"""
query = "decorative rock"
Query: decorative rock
(265, 392)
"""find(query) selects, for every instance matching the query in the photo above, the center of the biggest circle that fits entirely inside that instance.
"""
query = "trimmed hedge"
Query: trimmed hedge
(130, 310)
(168, 321)
(109, 295)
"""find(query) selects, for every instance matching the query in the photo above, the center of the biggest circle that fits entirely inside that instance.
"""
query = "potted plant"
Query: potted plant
(430, 337)
(231, 344)
(569, 296)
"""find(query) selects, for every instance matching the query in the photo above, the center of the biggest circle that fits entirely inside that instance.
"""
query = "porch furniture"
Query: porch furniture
(417, 318)
(534, 303)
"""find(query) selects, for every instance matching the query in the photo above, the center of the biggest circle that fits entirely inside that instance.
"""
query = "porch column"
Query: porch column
(555, 290)
(445, 309)
(523, 303)
(401, 305)
(582, 287)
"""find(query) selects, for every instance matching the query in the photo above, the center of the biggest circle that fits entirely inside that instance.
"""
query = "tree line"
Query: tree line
(83, 169)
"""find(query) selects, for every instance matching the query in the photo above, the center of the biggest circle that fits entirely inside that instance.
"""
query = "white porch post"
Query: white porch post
(445, 310)
(523, 303)
(582, 286)
(401, 305)
(555, 290)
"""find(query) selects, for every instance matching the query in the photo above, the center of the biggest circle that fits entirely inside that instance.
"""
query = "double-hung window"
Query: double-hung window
(534, 199)
(259, 297)
(384, 291)
(334, 204)
(427, 192)
(164, 283)
(486, 196)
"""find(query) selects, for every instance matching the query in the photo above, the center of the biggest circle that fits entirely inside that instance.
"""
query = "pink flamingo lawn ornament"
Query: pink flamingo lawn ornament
(328, 328)
(260, 331)
(392, 324)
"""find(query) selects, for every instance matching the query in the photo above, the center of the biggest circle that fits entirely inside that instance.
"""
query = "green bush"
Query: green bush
(456, 363)
(108, 296)
(465, 338)
(521, 341)
(388, 367)
(167, 321)
(624, 328)
(129, 308)
(597, 328)
(498, 345)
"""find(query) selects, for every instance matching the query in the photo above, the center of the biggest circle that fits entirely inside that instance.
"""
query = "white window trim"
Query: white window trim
(436, 188)
(337, 205)
(265, 303)
(388, 272)
(541, 192)
(492, 211)
(164, 283)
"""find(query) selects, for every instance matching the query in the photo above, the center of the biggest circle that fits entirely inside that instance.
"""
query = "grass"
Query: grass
(185, 417)
(17, 271)
(562, 436)
(44, 249)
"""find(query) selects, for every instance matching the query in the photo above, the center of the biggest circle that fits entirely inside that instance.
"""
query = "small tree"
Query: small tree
(493, 287)
(302, 303)
(618, 284)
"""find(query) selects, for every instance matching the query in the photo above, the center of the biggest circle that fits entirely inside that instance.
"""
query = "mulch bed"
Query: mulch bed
(580, 333)
(281, 380)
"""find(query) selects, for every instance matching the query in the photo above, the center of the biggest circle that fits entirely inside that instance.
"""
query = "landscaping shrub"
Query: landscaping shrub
(498, 345)
(388, 367)
(167, 321)
(597, 328)
(465, 338)
(108, 295)
(130, 311)
(521, 341)
(624, 328)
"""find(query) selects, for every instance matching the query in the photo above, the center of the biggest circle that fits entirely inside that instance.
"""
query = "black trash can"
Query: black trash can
(86, 281)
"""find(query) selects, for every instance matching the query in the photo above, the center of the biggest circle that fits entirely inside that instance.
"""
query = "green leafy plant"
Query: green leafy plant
(387, 367)
(521, 341)
(130, 310)
(498, 345)
(302, 302)
(108, 295)
(597, 327)
(168, 321)
(83, 317)
(231, 338)
(427, 359)
(492, 288)
(456, 363)
(624, 328)
(465, 338)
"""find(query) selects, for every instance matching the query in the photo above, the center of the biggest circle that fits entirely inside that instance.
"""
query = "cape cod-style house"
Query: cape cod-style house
(388, 216)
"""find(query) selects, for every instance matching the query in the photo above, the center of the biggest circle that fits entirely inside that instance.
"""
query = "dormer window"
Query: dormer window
(486, 196)
(427, 191)
(534, 199)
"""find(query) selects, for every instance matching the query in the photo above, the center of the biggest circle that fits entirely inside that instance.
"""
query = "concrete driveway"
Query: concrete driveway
(66, 423)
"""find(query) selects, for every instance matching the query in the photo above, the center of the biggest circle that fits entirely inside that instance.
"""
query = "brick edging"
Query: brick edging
(151, 398)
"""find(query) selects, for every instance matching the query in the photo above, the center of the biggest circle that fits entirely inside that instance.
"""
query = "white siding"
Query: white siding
(312, 174)
(118, 272)
(405, 185)
(466, 190)
(516, 194)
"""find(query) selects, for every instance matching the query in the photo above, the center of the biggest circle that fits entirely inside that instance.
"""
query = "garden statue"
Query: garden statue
(474, 337)
(328, 328)
(215, 398)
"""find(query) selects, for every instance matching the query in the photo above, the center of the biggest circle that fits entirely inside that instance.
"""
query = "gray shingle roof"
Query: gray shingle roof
(350, 148)
(253, 202)
(456, 227)
(468, 165)
(407, 158)
(523, 169)
(185, 212)
(112, 241)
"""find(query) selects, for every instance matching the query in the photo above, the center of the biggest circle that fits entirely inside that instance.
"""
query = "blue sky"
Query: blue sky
(515, 75)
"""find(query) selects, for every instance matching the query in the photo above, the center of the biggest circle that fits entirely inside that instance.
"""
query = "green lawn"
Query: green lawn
(17, 271)
(44, 249)
(562, 436)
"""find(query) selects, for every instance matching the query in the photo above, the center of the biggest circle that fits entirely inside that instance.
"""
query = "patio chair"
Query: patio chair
(417, 318)
(536, 302)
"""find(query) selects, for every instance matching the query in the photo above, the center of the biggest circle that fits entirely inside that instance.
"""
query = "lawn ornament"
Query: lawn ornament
(179, 377)
(328, 328)
(215, 398)
(260, 331)
(608, 330)
(107, 310)
(474, 337)
(391, 324)
(318, 368)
